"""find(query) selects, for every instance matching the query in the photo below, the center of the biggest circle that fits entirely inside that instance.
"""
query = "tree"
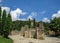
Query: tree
(17, 25)
(46, 26)
(0, 20)
(29, 23)
(34, 23)
(3, 22)
(9, 20)
(8, 25)
(55, 25)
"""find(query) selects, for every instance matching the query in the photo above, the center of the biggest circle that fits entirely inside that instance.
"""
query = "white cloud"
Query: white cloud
(53, 16)
(23, 13)
(6, 8)
(16, 14)
(32, 15)
(23, 19)
(42, 12)
(46, 20)
(56, 15)
(0, 0)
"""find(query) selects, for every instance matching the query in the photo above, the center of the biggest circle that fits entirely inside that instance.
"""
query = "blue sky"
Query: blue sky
(38, 9)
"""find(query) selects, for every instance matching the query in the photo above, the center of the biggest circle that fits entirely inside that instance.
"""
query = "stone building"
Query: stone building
(37, 33)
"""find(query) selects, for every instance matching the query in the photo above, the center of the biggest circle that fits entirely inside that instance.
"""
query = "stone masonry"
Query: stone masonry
(37, 33)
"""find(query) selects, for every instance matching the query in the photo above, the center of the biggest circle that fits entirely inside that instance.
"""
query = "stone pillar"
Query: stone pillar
(41, 26)
(26, 34)
(39, 34)
(24, 30)
(31, 33)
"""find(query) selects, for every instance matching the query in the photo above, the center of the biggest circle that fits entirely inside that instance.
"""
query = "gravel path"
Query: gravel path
(20, 39)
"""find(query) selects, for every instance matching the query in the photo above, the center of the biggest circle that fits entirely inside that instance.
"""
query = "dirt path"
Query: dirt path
(20, 39)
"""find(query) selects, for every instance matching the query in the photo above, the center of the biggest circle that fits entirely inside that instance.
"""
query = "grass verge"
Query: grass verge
(4, 40)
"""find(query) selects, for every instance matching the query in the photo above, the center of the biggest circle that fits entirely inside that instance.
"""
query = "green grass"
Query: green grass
(4, 40)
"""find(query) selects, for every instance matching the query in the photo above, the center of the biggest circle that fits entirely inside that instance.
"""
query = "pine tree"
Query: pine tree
(29, 23)
(4, 22)
(9, 21)
(8, 25)
(34, 23)
(0, 21)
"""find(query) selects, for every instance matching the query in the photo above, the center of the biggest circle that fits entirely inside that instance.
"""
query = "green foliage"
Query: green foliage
(18, 24)
(5, 23)
(55, 24)
(9, 22)
(8, 26)
(0, 20)
(34, 23)
(46, 26)
(29, 23)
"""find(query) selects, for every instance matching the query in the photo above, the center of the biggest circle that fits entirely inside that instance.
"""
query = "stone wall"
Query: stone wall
(37, 33)
(14, 32)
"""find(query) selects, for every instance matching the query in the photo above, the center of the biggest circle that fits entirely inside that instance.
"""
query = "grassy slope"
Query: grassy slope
(4, 40)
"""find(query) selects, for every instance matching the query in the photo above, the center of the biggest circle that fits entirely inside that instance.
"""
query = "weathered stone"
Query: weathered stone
(23, 29)
(26, 34)
(51, 32)
(31, 24)
(41, 26)
(31, 33)
(39, 34)
(26, 28)
(14, 32)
